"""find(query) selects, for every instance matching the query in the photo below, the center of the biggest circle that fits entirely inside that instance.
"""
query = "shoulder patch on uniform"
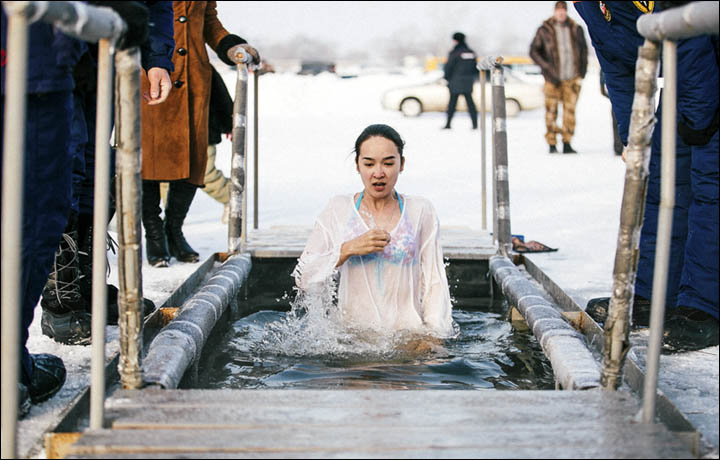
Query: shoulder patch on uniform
(605, 11)
(645, 7)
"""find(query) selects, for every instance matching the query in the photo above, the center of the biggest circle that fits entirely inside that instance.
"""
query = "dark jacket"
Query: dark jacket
(616, 43)
(156, 51)
(461, 69)
(221, 109)
(52, 55)
(544, 50)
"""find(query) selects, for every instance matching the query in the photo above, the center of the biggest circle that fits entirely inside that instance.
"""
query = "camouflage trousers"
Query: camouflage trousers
(567, 94)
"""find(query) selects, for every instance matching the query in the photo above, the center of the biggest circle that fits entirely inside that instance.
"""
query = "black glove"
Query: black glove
(136, 17)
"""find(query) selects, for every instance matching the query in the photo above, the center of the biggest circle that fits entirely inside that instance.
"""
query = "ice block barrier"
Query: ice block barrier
(181, 342)
(572, 362)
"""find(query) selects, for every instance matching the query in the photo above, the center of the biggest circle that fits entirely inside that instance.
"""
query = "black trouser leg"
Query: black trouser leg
(156, 245)
(179, 198)
(471, 109)
(451, 108)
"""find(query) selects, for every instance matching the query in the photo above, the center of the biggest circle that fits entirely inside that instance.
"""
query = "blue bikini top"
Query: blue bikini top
(397, 195)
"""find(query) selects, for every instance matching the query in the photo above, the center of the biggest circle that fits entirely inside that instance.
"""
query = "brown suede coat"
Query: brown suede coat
(544, 50)
(175, 133)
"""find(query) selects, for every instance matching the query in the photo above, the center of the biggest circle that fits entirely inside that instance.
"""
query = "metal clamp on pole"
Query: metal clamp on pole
(501, 224)
(617, 327)
(237, 223)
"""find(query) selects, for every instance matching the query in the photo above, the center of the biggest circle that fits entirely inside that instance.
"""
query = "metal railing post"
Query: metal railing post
(483, 149)
(501, 215)
(103, 129)
(617, 327)
(128, 193)
(256, 171)
(664, 231)
(12, 216)
(237, 223)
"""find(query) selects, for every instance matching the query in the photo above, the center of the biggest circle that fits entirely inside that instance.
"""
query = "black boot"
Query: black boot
(64, 317)
(567, 148)
(85, 237)
(156, 244)
(179, 197)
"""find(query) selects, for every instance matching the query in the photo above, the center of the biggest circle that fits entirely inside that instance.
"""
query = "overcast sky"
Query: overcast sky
(489, 26)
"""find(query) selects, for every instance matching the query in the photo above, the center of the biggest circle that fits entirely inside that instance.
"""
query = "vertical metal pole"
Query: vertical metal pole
(256, 78)
(502, 185)
(664, 232)
(483, 157)
(617, 326)
(238, 195)
(100, 219)
(12, 215)
(128, 193)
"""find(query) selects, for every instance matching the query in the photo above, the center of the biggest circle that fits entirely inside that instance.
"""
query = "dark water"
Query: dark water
(488, 353)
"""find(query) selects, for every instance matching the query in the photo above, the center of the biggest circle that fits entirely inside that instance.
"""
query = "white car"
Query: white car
(434, 96)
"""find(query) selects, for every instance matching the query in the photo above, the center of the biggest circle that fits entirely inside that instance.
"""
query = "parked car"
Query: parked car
(316, 67)
(434, 97)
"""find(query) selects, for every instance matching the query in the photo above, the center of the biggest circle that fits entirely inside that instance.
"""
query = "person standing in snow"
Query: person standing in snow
(461, 73)
(560, 50)
(175, 134)
(692, 287)
(385, 245)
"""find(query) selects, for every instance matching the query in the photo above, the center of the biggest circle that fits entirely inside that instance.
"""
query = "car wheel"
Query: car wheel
(512, 108)
(411, 107)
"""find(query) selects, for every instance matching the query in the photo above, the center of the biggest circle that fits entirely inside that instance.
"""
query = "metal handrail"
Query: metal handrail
(90, 24)
(483, 149)
(501, 186)
(237, 222)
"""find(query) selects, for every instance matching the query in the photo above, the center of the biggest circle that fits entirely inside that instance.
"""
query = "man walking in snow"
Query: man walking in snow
(560, 50)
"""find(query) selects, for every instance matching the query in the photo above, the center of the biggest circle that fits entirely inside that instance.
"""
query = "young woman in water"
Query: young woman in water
(384, 245)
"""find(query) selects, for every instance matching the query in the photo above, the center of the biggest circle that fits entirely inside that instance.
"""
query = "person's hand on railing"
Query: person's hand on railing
(160, 86)
(239, 53)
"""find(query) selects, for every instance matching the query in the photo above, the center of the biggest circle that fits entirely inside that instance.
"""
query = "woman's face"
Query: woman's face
(379, 164)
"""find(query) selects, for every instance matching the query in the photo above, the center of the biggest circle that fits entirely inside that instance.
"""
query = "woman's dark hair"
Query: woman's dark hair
(379, 130)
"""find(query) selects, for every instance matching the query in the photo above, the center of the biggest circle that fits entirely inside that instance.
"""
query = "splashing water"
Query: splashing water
(309, 347)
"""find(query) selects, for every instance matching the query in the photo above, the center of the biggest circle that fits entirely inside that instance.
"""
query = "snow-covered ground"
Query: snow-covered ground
(308, 126)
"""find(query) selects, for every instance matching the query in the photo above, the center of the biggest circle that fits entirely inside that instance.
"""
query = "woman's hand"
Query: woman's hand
(371, 241)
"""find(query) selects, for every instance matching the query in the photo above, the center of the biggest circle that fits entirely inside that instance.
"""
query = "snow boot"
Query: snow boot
(24, 401)
(689, 329)
(85, 237)
(64, 317)
(48, 376)
(156, 243)
(599, 307)
(179, 198)
(567, 148)
(552, 149)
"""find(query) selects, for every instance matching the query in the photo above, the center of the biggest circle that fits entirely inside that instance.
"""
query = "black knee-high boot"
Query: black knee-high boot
(156, 244)
(179, 198)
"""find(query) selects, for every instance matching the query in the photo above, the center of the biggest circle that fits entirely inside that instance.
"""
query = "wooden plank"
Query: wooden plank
(285, 241)
(638, 440)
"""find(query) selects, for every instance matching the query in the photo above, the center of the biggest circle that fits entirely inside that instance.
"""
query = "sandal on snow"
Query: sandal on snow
(530, 246)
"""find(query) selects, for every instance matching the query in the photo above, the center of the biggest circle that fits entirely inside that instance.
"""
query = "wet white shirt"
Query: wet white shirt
(404, 287)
